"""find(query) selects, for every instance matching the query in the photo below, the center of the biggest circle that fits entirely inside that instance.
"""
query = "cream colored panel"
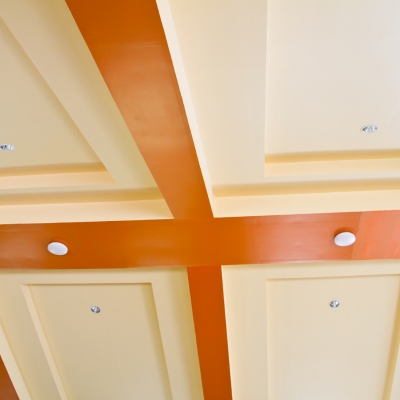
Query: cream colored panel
(142, 344)
(32, 118)
(315, 351)
(286, 342)
(72, 144)
(332, 67)
(323, 79)
(223, 49)
(50, 37)
(321, 90)
(117, 351)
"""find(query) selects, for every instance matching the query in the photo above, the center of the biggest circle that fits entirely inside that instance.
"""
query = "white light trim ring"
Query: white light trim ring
(57, 248)
(345, 239)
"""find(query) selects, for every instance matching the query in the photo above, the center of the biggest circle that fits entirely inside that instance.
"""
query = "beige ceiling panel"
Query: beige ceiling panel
(327, 77)
(141, 345)
(119, 351)
(72, 144)
(286, 342)
(223, 50)
(51, 39)
(32, 118)
(315, 351)
(332, 67)
(280, 90)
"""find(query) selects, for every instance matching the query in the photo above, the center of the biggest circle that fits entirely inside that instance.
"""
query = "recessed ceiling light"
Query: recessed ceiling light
(95, 309)
(334, 303)
(7, 147)
(345, 239)
(57, 248)
(369, 128)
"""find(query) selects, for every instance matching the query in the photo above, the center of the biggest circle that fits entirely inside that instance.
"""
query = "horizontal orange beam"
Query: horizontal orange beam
(7, 391)
(127, 41)
(205, 242)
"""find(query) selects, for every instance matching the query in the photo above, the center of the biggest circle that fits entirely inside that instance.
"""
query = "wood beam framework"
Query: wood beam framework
(127, 41)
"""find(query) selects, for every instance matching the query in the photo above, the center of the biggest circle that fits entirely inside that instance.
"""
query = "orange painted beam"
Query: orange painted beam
(194, 242)
(127, 41)
(7, 391)
(210, 325)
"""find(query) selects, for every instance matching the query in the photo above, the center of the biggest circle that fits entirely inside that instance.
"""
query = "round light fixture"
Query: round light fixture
(7, 147)
(334, 303)
(95, 309)
(345, 239)
(369, 128)
(57, 248)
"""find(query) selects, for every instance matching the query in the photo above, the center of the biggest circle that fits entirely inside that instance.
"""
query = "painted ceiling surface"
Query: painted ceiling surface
(197, 159)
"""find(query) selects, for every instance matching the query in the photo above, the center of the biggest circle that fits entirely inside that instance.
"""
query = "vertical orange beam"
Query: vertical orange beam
(7, 391)
(209, 319)
(127, 41)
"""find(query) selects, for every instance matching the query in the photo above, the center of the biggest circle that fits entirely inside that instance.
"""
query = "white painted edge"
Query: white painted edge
(173, 45)
(12, 368)
(309, 203)
(85, 212)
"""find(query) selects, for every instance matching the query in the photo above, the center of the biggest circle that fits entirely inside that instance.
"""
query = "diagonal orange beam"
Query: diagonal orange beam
(7, 391)
(127, 41)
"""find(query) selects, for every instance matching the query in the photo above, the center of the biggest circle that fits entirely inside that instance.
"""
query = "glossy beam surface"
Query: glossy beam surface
(127, 41)
(205, 242)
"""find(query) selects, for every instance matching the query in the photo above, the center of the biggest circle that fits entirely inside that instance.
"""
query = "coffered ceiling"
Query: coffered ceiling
(197, 159)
